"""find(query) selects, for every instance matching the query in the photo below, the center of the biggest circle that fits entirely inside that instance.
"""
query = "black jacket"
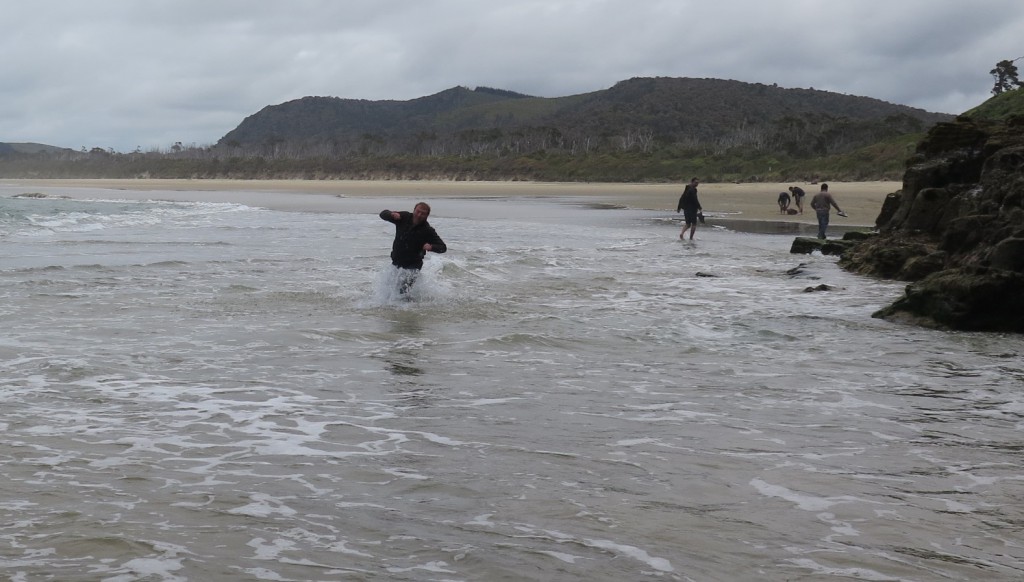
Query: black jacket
(407, 250)
(688, 202)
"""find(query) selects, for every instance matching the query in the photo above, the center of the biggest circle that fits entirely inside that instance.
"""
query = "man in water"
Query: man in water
(414, 238)
(798, 197)
(822, 204)
(690, 206)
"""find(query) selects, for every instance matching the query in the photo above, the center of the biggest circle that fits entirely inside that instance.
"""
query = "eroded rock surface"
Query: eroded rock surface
(955, 230)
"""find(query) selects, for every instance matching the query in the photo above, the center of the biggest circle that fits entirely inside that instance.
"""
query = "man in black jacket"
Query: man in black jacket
(414, 237)
(690, 206)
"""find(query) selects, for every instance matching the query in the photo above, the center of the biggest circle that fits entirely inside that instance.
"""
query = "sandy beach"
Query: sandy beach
(745, 202)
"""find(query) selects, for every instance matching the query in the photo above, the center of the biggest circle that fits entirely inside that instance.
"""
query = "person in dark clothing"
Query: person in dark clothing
(690, 206)
(414, 238)
(798, 197)
(783, 202)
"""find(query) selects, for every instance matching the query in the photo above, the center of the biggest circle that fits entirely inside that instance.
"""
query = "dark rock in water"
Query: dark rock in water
(807, 245)
(822, 287)
(963, 299)
(800, 271)
(797, 270)
(956, 230)
(888, 261)
(703, 274)
(857, 235)
(837, 247)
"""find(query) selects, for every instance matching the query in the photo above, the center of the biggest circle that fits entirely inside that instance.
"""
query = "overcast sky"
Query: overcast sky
(127, 74)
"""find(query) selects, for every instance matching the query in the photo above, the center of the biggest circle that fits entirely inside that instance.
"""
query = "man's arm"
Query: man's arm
(434, 244)
(390, 216)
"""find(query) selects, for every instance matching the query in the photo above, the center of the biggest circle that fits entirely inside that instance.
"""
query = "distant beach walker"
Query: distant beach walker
(690, 205)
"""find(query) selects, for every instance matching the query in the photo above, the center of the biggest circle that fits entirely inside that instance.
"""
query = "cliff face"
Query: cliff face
(956, 230)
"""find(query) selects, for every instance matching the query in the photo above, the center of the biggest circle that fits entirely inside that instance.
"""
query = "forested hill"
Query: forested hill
(640, 114)
(640, 130)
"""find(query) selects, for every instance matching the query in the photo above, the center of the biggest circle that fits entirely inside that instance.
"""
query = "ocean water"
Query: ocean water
(213, 391)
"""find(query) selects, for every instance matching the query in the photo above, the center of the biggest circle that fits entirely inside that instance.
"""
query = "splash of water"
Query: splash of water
(397, 287)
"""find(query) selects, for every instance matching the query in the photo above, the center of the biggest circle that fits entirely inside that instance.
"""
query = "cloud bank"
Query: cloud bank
(123, 74)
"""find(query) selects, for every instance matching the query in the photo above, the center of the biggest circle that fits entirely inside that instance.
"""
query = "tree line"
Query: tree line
(546, 156)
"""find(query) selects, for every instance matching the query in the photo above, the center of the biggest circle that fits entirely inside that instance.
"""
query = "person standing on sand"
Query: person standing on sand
(690, 206)
(414, 238)
(822, 204)
(798, 197)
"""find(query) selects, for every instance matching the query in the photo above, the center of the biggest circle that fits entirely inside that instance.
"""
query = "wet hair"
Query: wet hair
(423, 205)
(824, 187)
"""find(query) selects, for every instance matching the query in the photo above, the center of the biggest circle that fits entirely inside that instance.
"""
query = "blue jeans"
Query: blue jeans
(822, 223)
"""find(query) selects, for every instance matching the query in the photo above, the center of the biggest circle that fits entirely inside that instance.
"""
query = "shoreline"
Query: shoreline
(743, 205)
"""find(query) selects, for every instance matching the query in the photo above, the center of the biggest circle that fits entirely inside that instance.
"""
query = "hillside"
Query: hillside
(29, 148)
(325, 118)
(641, 113)
(639, 130)
(999, 107)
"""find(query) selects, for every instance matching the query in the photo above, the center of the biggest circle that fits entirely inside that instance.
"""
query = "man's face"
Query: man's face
(419, 214)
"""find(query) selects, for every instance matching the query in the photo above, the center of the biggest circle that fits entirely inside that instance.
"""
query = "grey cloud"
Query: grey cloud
(122, 73)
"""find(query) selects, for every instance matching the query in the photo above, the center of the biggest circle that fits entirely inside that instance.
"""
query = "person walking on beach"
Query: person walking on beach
(822, 204)
(690, 206)
(798, 197)
(414, 238)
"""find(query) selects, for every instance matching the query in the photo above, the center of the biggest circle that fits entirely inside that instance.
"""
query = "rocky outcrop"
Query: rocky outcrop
(955, 230)
(837, 247)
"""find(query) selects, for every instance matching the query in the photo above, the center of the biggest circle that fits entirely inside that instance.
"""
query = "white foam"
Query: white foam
(429, 286)
(482, 520)
(659, 564)
(851, 573)
(437, 567)
(801, 500)
(567, 558)
(263, 505)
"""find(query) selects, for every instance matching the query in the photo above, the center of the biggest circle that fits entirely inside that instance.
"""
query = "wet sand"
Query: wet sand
(727, 203)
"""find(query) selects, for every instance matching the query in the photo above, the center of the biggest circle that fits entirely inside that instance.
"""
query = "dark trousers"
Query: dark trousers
(406, 278)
